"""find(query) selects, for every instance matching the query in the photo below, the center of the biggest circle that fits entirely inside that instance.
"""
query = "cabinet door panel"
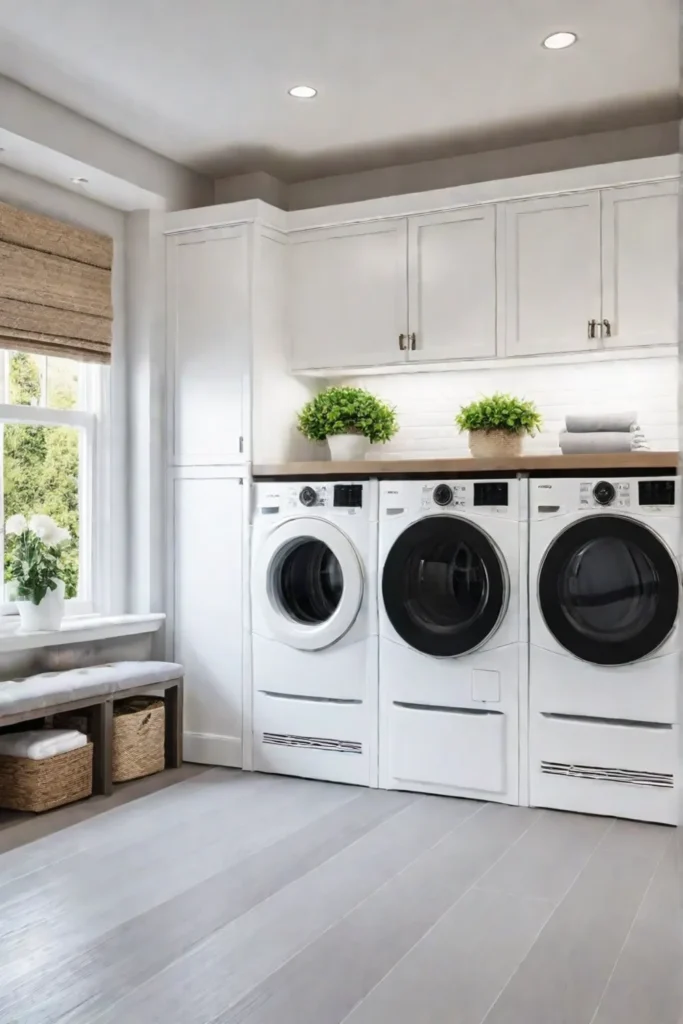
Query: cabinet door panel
(553, 285)
(208, 331)
(640, 264)
(452, 284)
(207, 611)
(348, 295)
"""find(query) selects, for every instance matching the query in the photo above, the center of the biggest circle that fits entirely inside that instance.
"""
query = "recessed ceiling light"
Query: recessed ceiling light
(80, 181)
(560, 40)
(303, 92)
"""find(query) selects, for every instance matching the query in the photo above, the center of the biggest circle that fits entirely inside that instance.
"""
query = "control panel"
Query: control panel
(455, 495)
(282, 498)
(617, 495)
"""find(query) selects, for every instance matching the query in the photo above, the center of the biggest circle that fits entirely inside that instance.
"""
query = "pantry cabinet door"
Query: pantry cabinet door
(348, 299)
(552, 271)
(452, 284)
(640, 264)
(207, 300)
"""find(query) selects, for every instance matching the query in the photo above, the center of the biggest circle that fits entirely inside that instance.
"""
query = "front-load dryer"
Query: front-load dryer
(604, 672)
(314, 630)
(452, 635)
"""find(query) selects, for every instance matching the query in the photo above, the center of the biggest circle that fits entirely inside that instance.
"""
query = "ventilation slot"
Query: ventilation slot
(277, 739)
(626, 776)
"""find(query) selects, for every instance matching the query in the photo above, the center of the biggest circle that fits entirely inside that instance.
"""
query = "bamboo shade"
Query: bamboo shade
(55, 287)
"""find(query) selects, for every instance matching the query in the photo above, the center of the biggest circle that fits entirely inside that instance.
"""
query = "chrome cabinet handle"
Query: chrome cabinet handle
(413, 341)
(592, 324)
(402, 342)
(608, 328)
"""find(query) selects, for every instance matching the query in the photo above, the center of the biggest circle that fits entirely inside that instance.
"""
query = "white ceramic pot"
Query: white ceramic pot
(348, 447)
(47, 615)
(495, 444)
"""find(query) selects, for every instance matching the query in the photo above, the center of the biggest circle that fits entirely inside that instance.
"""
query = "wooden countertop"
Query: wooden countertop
(523, 464)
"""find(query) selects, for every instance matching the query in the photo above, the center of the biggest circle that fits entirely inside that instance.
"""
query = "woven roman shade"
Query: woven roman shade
(55, 287)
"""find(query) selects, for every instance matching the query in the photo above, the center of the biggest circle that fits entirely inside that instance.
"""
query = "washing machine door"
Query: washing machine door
(608, 589)
(445, 586)
(309, 580)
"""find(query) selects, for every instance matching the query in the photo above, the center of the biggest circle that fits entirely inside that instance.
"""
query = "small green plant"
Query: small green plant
(35, 550)
(500, 412)
(343, 410)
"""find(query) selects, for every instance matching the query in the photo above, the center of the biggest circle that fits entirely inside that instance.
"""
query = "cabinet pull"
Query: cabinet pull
(608, 328)
(402, 342)
(592, 324)
(413, 341)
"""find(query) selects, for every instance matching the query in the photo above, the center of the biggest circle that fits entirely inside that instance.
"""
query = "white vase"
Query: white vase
(348, 447)
(47, 615)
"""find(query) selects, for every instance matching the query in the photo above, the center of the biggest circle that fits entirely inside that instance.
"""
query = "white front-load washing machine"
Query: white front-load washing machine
(452, 564)
(604, 682)
(314, 630)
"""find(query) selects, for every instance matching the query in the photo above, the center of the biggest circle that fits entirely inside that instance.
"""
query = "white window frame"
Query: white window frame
(93, 475)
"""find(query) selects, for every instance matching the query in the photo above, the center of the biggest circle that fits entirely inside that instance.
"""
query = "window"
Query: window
(48, 418)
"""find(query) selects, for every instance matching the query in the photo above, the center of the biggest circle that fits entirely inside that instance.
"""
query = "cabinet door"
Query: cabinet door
(452, 284)
(553, 287)
(208, 335)
(348, 295)
(206, 617)
(640, 264)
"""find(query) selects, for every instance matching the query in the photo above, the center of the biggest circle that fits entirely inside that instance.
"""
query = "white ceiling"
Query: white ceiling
(205, 82)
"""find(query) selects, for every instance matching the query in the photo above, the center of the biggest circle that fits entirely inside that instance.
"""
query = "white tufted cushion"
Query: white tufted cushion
(50, 688)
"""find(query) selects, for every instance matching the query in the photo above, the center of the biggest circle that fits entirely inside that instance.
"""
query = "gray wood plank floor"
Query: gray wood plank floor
(232, 898)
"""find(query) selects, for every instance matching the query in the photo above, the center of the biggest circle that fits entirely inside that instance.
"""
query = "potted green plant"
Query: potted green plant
(35, 568)
(349, 419)
(497, 424)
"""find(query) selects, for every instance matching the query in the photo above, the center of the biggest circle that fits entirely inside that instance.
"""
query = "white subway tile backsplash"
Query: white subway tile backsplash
(426, 403)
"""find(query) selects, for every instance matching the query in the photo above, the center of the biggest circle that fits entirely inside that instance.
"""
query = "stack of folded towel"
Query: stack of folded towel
(606, 432)
(38, 744)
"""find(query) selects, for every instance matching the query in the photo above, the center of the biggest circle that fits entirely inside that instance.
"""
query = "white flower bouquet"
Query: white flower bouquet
(35, 562)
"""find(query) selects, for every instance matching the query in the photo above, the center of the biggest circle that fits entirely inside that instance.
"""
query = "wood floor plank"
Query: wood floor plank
(647, 984)
(324, 982)
(90, 896)
(241, 956)
(123, 824)
(562, 979)
(455, 973)
(547, 860)
(80, 987)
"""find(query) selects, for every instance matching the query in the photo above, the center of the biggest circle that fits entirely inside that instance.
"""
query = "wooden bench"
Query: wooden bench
(96, 688)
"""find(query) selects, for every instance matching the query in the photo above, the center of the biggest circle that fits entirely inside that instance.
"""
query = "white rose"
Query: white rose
(44, 528)
(15, 525)
(61, 536)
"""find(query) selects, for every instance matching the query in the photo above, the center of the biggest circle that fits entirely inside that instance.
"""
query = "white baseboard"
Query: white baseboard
(207, 748)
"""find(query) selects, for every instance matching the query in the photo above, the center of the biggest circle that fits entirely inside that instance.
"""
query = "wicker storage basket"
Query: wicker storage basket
(492, 444)
(28, 785)
(139, 738)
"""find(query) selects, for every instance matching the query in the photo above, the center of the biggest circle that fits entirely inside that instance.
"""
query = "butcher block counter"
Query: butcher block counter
(532, 464)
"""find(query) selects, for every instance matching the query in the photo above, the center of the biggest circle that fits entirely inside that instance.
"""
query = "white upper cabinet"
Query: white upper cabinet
(552, 274)
(348, 295)
(452, 284)
(208, 344)
(640, 264)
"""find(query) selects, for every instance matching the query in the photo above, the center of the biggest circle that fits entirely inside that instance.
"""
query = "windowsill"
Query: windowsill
(77, 629)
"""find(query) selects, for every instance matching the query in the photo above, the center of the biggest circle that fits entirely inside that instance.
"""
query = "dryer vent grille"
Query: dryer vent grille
(313, 743)
(623, 775)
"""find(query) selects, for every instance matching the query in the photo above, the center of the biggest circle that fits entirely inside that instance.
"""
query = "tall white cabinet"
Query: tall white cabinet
(208, 315)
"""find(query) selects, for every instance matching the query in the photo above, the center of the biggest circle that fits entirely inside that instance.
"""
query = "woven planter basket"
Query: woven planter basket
(494, 444)
(28, 785)
(139, 738)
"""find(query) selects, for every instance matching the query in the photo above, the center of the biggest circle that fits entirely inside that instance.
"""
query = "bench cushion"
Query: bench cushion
(51, 688)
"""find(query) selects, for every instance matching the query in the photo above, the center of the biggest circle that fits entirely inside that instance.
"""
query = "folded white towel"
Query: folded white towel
(37, 744)
(605, 441)
(607, 421)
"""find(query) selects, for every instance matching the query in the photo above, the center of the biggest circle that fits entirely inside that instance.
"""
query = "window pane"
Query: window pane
(41, 467)
(26, 376)
(62, 383)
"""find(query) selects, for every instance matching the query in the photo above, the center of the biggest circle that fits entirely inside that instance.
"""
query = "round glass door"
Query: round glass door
(308, 583)
(608, 590)
(444, 586)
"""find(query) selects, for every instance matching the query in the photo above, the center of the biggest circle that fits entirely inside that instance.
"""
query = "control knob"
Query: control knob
(604, 493)
(307, 496)
(443, 495)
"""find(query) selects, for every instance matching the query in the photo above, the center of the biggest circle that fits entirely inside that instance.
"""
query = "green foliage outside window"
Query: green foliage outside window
(41, 463)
